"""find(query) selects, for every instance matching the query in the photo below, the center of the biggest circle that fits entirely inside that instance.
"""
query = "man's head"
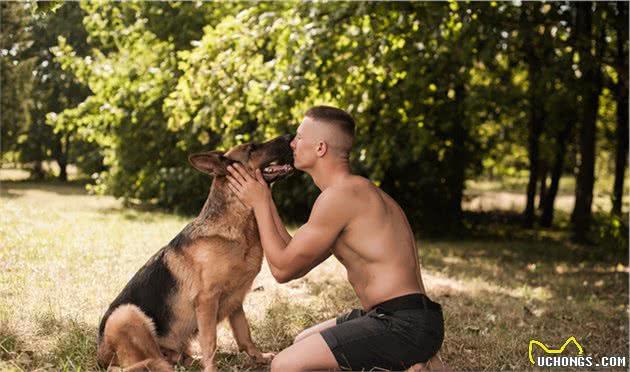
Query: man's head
(325, 132)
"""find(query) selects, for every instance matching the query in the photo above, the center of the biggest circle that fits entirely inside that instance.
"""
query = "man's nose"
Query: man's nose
(292, 143)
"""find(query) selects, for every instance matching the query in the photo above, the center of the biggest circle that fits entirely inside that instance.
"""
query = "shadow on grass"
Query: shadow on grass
(146, 211)
(10, 343)
(491, 331)
(13, 188)
(233, 362)
(73, 346)
(485, 330)
(76, 347)
(283, 321)
(522, 266)
(137, 214)
(500, 224)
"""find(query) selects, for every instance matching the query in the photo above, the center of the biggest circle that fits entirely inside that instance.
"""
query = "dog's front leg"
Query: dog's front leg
(207, 308)
(243, 338)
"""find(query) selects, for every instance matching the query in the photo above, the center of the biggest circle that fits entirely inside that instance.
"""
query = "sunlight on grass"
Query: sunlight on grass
(64, 255)
(508, 194)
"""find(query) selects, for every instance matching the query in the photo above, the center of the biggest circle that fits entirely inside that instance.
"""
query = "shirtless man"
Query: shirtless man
(367, 231)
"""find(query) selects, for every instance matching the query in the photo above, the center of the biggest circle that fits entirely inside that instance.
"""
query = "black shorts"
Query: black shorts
(393, 335)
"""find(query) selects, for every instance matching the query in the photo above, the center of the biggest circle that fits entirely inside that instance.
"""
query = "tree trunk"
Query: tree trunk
(38, 173)
(459, 152)
(621, 65)
(544, 173)
(590, 87)
(63, 173)
(536, 118)
(62, 158)
(546, 219)
(57, 153)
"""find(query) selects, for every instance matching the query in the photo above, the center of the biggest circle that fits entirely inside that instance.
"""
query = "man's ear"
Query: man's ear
(322, 148)
(211, 162)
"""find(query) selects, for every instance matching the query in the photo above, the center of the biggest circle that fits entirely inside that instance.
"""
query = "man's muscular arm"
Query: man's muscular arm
(282, 230)
(294, 257)
(310, 245)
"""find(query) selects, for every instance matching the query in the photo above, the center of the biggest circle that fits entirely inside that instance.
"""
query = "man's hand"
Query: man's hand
(253, 192)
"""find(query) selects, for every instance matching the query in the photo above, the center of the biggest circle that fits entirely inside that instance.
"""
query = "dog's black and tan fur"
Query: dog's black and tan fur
(198, 279)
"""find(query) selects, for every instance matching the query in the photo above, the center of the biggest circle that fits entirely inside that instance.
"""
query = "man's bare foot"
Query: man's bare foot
(434, 364)
(418, 367)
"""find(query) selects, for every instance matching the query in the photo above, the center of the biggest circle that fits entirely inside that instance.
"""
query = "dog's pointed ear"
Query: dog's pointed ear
(211, 162)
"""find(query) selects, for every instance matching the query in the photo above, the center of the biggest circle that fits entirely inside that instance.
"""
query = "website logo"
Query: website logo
(578, 360)
(553, 351)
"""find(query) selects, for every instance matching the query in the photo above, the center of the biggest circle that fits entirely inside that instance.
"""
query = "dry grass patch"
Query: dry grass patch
(65, 255)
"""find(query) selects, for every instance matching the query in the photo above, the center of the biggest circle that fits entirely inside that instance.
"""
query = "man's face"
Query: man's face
(304, 145)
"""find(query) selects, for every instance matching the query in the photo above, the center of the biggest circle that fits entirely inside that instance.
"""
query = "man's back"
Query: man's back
(377, 246)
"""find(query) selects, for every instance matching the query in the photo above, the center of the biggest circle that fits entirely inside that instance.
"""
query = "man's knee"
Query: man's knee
(302, 335)
(315, 329)
(283, 362)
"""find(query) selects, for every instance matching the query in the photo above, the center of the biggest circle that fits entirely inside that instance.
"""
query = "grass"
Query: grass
(508, 193)
(64, 255)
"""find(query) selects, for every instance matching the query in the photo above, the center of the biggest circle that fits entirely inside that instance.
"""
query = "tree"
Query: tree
(621, 94)
(15, 72)
(563, 115)
(408, 72)
(536, 54)
(54, 89)
(441, 92)
(589, 46)
(130, 70)
(49, 90)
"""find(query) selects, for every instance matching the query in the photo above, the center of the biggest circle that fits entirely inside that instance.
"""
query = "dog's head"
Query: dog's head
(273, 158)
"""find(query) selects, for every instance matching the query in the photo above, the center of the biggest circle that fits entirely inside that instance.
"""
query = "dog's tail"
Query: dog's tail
(105, 354)
(130, 340)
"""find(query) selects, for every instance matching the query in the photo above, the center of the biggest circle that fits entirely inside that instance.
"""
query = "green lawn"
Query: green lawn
(64, 255)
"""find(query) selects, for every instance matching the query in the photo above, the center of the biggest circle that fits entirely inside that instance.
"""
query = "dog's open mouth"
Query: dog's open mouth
(274, 171)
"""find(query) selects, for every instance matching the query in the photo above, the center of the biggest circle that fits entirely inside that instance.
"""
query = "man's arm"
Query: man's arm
(270, 237)
(311, 243)
(282, 230)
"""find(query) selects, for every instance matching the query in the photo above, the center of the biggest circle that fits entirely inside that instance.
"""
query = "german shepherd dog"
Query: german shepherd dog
(198, 279)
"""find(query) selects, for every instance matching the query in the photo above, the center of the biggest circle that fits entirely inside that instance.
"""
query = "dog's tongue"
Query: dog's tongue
(278, 168)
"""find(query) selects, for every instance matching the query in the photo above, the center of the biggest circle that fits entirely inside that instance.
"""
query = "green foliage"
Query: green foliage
(612, 235)
(439, 92)
(43, 7)
(253, 76)
(15, 69)
(42, 87)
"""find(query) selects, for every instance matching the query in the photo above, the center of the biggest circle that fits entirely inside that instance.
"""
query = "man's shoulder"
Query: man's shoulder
(349, 192)
(352, 184)
(332, 194)
(331, 205)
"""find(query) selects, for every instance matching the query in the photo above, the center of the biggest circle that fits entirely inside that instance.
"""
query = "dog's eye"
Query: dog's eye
(252, 147)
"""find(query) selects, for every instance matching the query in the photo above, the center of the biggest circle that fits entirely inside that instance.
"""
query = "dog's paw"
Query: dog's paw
(211, 368)
(264, 358)
(189, 361)
(172, 356)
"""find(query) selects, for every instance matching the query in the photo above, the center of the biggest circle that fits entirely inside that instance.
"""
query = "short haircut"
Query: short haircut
(338, 117)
